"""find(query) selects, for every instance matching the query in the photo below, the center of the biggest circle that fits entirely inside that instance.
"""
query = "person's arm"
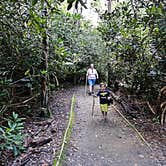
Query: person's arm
(97, 76)
(98, 94)
(87, 73)
(110, 100)
(111, 94)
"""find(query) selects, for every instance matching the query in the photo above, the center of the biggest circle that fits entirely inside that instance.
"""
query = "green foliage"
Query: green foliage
(128, 45)
(72, 44)
(11, 137)
(156, 120)
(76, 2)
(134, 34)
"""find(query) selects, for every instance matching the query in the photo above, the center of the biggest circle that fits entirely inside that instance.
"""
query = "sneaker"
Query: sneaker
(90, 93)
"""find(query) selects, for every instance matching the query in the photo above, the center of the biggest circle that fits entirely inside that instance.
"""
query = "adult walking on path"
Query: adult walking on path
(92, 75)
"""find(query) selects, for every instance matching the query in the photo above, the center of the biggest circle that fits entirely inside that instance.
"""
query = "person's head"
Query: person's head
(92, 66)
(102, 86)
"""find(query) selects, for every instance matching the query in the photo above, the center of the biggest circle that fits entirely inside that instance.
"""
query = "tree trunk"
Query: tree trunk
(44, 78)
(44, 66)
(109, 6)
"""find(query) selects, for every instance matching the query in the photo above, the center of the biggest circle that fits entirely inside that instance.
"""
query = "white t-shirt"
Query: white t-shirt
(92, 73)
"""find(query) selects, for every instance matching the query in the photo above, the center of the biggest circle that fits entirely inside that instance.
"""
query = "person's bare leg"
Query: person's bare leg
(90, 88)
(105, 116)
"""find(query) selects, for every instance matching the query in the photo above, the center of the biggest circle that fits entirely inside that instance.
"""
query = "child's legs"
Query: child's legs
(104, 109)
(102, 113)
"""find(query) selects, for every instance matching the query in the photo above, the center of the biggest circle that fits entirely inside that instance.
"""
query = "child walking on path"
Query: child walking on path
(104, 95)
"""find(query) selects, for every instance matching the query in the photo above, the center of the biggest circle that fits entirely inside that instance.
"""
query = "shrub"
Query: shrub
(11, 137)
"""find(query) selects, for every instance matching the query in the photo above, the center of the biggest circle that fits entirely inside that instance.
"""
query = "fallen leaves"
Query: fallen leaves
(44, 136)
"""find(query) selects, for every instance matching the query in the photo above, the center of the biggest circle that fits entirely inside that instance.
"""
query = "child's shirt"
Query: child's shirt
(103, 95)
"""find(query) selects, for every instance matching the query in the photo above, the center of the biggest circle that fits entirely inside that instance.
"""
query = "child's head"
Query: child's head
(102, 86)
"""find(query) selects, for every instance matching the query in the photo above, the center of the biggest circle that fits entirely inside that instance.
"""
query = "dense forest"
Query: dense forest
(46, 45)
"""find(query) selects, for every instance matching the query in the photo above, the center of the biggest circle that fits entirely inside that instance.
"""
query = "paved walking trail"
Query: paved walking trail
(98, 143)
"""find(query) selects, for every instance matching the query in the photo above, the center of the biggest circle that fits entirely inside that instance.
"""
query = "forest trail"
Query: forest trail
(98, 143)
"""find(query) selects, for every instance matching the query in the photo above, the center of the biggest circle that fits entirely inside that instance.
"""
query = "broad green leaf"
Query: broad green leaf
(34, 2)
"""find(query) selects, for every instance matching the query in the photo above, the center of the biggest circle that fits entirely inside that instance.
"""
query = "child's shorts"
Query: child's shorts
(104, 107)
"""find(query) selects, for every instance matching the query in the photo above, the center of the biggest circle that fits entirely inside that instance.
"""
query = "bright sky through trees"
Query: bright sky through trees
(91, 13)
